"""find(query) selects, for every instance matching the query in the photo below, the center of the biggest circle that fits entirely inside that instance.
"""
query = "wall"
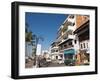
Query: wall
(5, 40)
(80, 20)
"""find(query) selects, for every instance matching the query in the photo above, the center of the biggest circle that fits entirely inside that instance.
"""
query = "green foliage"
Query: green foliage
(28, 36)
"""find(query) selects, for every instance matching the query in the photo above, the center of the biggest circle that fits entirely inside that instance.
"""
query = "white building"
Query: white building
(45, 53)
(55, 55)
(28, 49)
(67, 42)
(38, 50)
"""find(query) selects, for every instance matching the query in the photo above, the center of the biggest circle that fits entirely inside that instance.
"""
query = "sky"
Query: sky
(45, 25)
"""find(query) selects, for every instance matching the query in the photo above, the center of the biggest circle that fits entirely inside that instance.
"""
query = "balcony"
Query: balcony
(54, 51)
(70, 37)
(66, 38)
(71, 20)
(55, 47)
(71, 28)
(66, 48)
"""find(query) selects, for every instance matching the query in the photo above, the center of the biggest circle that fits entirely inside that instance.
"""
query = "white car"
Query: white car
(48, 60)
(60, 61)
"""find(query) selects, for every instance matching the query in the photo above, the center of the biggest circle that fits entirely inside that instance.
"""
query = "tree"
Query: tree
(31, 39)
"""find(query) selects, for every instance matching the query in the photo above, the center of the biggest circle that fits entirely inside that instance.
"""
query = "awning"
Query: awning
(70, 51)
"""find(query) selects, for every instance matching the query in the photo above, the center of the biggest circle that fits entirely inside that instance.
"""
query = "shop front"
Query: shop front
(69, 57)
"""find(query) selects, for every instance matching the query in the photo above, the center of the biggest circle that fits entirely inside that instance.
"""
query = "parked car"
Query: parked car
(60, 61)
(43, 63)
(69, 62)
(48, 60)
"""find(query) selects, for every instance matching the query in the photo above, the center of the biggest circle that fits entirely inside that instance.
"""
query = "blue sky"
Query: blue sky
(45, 25)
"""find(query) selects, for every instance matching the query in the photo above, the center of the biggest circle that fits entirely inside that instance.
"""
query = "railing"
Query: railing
(67, 47)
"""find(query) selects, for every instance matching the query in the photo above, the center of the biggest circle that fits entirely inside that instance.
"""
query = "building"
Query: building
(67, 42)
(28, 49)
(34, 45)
(72, 41)
(38, 50)
(45, 53)
(55, 55)
(82, 34)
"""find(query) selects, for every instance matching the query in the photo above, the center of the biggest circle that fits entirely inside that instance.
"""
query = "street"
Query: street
(56, 65)
(44, 64)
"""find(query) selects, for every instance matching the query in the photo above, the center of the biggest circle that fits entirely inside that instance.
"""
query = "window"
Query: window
(52, 51)
(56, 50)
(81, 46)
(72, 16)
(70, 43)
(84, 45)
(87, 45)
(72, 24)
(65, 46)
(61, 47)
(75, 41)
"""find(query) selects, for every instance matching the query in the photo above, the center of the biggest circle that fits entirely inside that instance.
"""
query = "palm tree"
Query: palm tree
(29, 39)
(33, 42)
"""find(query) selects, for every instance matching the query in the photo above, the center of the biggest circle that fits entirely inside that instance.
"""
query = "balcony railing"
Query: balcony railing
(71, 28)
(66, 38)
(67, 47)
(56, 47)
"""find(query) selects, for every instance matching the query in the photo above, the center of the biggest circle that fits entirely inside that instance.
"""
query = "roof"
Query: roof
(81, 27)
